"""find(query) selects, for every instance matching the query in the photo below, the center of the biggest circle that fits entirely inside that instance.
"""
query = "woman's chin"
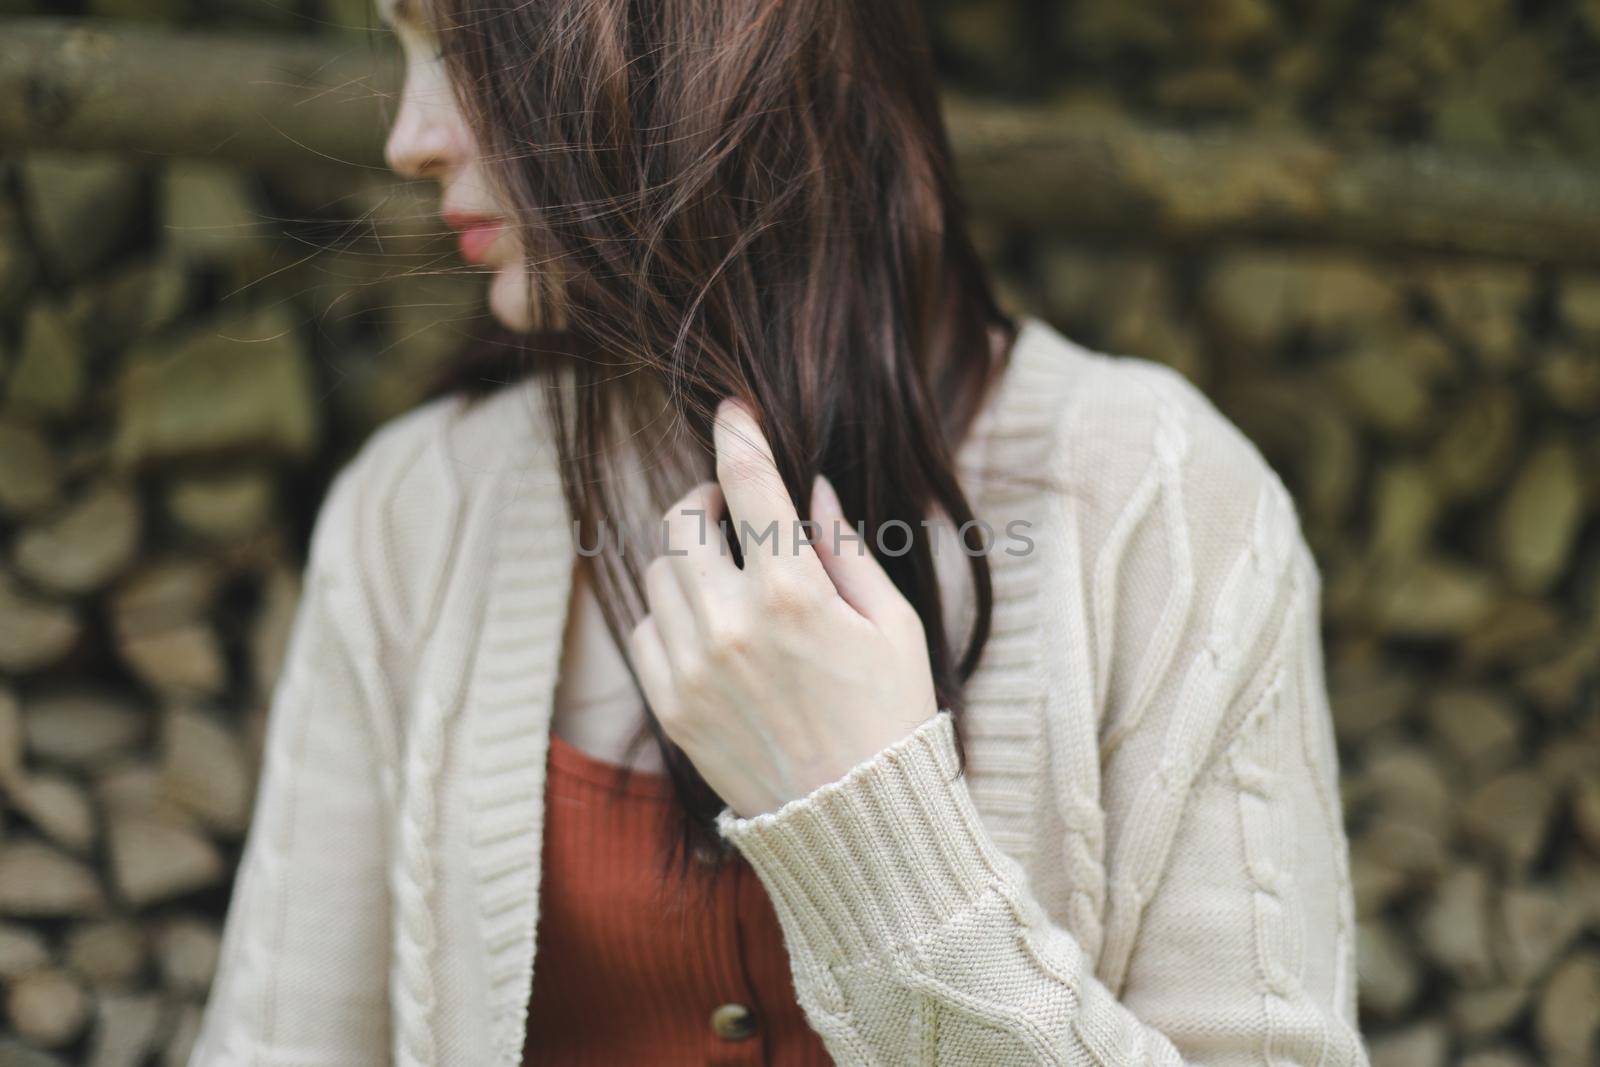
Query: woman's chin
(508, 300)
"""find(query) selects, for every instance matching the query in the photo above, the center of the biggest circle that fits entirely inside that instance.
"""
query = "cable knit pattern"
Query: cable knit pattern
(306, 941)
(1144, 862)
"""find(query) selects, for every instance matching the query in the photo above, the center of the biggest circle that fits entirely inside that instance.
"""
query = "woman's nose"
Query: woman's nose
(420, 144)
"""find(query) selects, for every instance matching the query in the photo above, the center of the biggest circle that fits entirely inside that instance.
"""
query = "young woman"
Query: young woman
(1020, 753)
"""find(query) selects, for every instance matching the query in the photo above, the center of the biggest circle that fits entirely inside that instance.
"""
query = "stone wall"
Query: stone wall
(188, 350)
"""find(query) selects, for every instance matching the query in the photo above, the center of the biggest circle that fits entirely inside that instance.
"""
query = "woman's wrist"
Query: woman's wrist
(880, 857)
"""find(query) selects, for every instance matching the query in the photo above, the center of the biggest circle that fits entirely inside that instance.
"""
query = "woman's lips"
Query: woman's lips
(476, 235)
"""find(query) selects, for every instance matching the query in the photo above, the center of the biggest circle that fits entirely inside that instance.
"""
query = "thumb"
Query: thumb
(856, 573)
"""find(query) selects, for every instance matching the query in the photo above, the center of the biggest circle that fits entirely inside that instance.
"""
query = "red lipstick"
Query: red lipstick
(475, 233)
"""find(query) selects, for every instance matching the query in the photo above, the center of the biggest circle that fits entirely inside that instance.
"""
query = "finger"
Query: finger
(855, 572)
(763, 515)
(675, 618)
(651, 664)
(693, 543)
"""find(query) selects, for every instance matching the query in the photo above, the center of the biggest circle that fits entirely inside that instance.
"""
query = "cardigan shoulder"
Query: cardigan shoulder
(397, 513)
(1112, 422)
(1130, 419)
(1189, 542)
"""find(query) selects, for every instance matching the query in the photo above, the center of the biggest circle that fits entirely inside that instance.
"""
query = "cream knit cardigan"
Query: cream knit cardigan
(1144, 863)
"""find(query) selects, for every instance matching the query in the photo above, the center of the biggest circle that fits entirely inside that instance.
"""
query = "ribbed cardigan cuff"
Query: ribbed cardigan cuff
(878, 859)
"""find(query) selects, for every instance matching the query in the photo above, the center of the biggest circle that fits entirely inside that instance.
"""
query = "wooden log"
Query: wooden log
(92, 84)
(274, 100)
(1099, 172)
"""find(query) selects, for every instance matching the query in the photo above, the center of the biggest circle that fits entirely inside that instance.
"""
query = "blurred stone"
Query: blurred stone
(1387, 972)
(239, 386)
(1570, 379)
(187, 949)
(1479, 1013)
(85, 546)
(138, 788)
(1083, 283)
(1568, 1017)
(81, 727)
(1111, 28)
(127, 1026)
(136, 299)
(16, 265)
(1510, 813)
(29, 478)
(34, 633)
(1477, 727)
(1406, 780)
(11, 740)
(1577, 115)
(1556, 682)
(83, 458)
(1297, 433)
(1519, 629)
(1433, 597)
(38, 880)
(58, 807)
(1474, 453)
(1540, 518)
(47, 1008)
(208, 213)
(1225, 25)
(1367, 697)
(1566, 762)
(181, 1039)
(1386, 393)
(1429, 356)
(1258, 296)
(49, 378)
(1405, 508)
(204, 770)
(153, 860)
(1579, 300)
(109, 952)
(16, 1054)
(21, 950)
(1375, 883)
(1159, 336)
(1455, 926)
(186, 661)
(81, 206)
(269, 632)
(354, 18)
(1537, 923)
(1586, 813)
(983, 33)
(164, 593)
(222, 507)
(1423, 1045)
(1483, 303)
(1212, 87)
(1415, 847)
(1498, 1057)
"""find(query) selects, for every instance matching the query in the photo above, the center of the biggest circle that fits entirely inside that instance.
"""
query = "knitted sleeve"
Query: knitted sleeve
(1226, 916)
(303, 969)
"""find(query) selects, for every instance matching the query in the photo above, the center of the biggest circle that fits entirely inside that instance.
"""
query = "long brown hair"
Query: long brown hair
(749, 198)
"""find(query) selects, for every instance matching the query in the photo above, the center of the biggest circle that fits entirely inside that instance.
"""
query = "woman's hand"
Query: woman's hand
(782, 676)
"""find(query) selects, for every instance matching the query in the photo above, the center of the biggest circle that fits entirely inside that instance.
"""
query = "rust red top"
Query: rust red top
(631, 967)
